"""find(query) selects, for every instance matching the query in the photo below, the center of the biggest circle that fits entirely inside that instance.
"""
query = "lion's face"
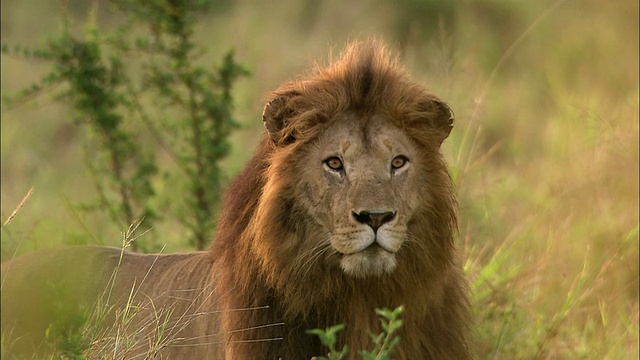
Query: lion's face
(353, 176)
(361, 184)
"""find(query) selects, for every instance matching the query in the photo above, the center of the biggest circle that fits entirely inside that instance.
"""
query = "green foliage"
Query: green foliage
(328, 338)
(68, 342)
(384, 343)
(116, 94)
(65, 335)
(97, 95)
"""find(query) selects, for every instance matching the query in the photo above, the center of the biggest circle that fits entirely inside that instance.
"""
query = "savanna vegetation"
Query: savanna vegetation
(544, 151)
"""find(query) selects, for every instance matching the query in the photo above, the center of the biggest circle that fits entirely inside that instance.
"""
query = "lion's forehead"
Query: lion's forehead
(358, 139)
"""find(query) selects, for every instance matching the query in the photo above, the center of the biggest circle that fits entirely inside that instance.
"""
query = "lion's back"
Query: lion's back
(158, 299)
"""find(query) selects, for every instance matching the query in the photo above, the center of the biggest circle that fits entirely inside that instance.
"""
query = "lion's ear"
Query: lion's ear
(274, 118)
(445, 119)
(440, 118)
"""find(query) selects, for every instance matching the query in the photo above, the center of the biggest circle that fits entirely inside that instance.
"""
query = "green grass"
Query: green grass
(544, 150)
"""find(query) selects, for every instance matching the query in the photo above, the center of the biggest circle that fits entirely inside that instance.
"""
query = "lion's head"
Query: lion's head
(356, 161)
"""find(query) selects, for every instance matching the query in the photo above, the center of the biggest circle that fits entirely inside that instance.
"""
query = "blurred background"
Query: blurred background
(544, 151)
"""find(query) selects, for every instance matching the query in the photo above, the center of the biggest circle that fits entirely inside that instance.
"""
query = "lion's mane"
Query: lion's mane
(259, 244)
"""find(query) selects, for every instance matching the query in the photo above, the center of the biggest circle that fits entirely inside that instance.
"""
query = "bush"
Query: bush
(125, 88)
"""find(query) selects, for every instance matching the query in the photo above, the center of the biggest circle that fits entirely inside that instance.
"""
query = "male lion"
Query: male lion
(346, 206)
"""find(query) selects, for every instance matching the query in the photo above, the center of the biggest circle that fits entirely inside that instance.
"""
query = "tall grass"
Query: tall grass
(551, 227)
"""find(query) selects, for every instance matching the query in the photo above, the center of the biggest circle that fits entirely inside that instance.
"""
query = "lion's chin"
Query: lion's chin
(372, 261)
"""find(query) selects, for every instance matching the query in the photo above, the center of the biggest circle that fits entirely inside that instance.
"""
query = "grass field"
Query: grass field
(544, 151)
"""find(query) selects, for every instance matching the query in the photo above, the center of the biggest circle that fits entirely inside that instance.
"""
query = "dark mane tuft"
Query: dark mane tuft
(364, 79)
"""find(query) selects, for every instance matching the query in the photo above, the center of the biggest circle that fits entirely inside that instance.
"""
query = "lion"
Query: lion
(346, 206)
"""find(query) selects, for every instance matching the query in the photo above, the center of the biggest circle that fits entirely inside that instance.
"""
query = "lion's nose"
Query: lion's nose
(374, 219)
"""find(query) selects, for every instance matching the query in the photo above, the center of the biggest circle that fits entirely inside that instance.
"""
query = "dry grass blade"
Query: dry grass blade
(18, 208)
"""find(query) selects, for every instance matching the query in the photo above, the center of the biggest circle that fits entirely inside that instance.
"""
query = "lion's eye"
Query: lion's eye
(334, 163)
(398, 162)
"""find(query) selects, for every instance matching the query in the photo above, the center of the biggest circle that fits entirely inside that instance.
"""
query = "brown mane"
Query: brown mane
(365, 80)
(259, 255)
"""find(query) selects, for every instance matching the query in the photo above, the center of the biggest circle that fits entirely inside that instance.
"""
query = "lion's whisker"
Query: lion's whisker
(311, 260)
(308, 256)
